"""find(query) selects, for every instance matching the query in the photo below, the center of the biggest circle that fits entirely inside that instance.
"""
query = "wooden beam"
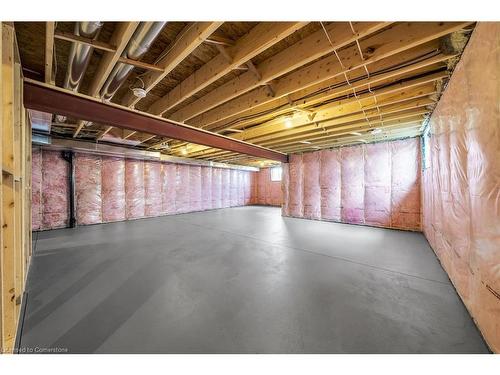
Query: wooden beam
(70, 37)
(258, 39)
(49, 51)
(391, 94)
(399, 38)
(188, 40)
(7, 256)
(140, 64)
(304, 51)
(51, 99)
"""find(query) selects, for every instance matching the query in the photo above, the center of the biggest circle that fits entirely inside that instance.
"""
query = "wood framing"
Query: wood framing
(257, 40)
(187, 42)
(15, 191)
(49, 51)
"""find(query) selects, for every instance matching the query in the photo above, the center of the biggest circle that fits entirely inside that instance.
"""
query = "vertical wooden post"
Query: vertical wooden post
(8, 195)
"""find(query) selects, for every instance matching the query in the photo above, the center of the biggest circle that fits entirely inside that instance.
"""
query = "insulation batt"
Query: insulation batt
(88, 188)
(295, 185)
(312, 188)
(461, 184)
(36, 189)
(206, 188)
(233, 188)
(329, 181)
(216, 188)
(113, 189)
(352, 184)
(152, 188)
(169, 191)
(225, 187)
(134, 188)
(375, 184)
(194, 188)
(182, 189)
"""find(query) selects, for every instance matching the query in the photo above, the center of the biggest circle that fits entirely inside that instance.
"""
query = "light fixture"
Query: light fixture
(376, 131)
(184, 151)
(305, 142)
(288, 122)
(139, 92)
(355, 133)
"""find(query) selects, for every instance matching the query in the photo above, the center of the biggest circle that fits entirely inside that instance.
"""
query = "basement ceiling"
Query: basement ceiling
(287, 86)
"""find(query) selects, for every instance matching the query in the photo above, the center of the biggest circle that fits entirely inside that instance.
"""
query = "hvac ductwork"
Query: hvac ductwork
(79, 55)
(140, 42)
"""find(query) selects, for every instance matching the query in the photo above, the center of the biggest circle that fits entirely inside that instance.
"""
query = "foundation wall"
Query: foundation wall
(113, 189)
(373, 184)
(461, 200)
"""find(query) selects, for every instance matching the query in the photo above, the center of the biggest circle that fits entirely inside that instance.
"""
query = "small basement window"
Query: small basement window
(276, 173)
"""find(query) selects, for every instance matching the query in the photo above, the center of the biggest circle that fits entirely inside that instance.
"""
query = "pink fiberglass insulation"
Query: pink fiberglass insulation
(285, 188)
(134, 188)
(329, 182)
(194, 188)
(241, 187)
(352, 185)
(225, 187)
(263, 193)
(312, 190)
(461, 200)
(377, 179)
(405, 186)
(88, 179)
(113, 189)
(364, 184)
(295, 170)
(276, 193)
(55, 190)
(216, 188)
(206, 188)
(169, 177)
(233, 187)
(247, 186)
(182, 189)
(152, 188)
(36, 189)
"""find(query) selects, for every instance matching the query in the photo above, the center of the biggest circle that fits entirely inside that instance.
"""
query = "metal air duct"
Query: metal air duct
(140, 42)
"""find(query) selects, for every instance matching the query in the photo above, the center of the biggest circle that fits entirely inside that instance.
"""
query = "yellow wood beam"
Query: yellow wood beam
(304, 51)
(258, 39)
(49, 51)
(399, 38)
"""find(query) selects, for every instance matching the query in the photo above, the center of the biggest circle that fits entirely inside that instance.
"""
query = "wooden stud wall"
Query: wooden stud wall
(15, 191)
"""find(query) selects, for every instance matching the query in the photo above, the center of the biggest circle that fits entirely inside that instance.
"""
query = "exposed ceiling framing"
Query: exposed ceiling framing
(285, 86)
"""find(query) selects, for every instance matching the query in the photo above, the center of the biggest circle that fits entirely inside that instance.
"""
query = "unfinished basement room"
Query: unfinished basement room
(250, 187)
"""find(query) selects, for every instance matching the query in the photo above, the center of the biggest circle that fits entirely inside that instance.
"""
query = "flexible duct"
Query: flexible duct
(140, 42)
(79, 55)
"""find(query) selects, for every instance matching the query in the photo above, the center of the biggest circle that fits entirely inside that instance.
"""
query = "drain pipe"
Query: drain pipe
(69, 157)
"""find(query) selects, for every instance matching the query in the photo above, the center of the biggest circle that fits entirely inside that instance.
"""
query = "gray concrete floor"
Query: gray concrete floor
(241, 280)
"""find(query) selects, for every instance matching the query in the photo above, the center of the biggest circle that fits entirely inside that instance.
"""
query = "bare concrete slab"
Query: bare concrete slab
(241, 280)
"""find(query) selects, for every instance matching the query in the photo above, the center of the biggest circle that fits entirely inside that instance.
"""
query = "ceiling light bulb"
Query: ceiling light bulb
(376, 131)
(184, 151)
(288, 123)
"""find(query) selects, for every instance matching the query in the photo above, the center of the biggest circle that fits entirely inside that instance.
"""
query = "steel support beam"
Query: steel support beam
(46, 98)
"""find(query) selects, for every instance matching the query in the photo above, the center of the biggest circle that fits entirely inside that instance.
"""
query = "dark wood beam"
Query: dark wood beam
(46, 98)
